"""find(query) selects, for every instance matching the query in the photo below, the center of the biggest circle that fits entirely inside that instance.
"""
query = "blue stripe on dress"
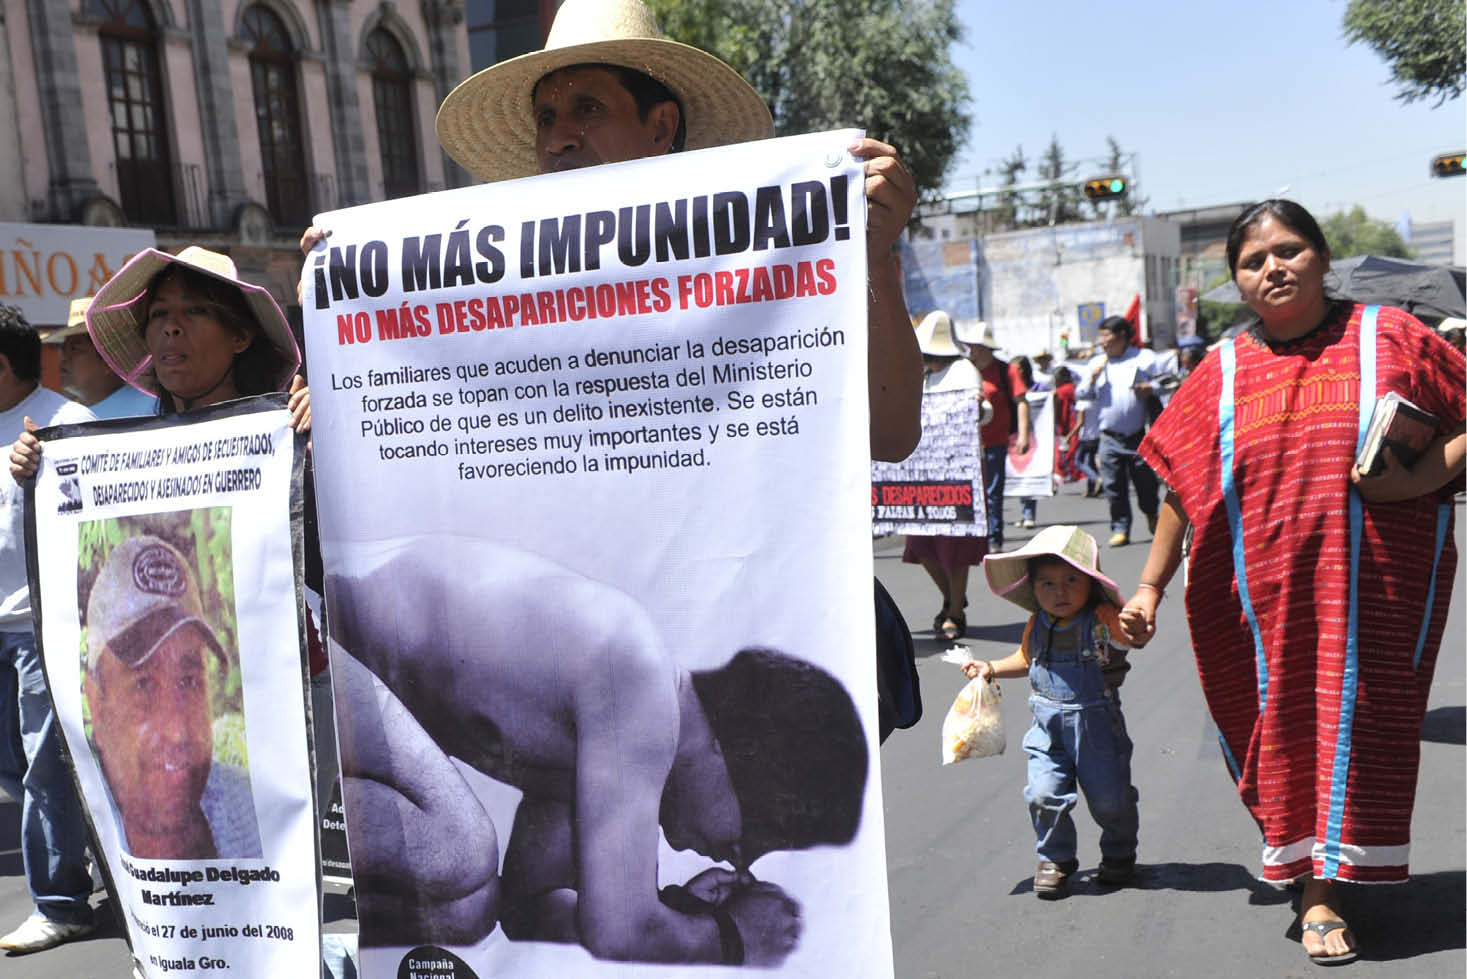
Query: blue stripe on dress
(1350, 675)
(1235, 512)
(1443, 516)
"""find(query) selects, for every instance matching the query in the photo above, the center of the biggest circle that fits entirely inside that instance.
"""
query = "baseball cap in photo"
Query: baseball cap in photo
(144, 593)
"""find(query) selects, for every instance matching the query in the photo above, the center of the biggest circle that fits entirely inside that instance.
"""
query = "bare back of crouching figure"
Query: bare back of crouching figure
(561, 687)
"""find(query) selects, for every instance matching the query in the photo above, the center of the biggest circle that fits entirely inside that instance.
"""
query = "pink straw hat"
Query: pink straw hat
(116, 316)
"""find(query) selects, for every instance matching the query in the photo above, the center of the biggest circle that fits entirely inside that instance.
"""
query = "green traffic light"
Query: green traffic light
(1117, 185)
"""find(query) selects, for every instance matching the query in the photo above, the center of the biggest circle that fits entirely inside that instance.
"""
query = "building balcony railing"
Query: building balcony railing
(156, 194)
(293, 198)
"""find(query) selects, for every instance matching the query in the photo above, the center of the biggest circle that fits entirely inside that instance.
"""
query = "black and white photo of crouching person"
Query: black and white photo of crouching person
(562, 687)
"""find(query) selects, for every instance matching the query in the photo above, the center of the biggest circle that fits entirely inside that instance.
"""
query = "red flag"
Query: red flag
(1133, 313)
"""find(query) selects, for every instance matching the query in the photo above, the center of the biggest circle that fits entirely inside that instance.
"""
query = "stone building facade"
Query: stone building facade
(229, 123)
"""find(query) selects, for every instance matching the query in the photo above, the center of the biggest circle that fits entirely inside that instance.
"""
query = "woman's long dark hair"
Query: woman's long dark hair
(258, 367)
(1291, 215)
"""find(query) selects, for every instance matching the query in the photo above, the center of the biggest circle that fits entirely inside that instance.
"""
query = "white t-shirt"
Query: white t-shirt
(45, 408)
(1089, 419)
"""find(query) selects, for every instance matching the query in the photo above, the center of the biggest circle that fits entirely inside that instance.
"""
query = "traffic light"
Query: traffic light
(1104, 188)
(1448, 165)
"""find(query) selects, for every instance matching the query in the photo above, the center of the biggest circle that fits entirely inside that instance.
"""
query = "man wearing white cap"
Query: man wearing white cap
(52, 837)
(607, 88)
(85, 375)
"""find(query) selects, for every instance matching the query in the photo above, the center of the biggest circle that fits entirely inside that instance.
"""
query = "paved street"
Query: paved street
(960, 850)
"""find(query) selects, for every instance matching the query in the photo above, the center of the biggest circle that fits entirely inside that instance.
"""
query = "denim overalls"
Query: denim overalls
(1078, 735)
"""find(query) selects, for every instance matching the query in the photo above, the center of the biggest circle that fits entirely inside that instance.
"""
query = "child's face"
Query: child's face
(1061, 590)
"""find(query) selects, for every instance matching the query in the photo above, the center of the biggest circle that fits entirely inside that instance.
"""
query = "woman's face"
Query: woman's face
(1280, 274)
(193, 351)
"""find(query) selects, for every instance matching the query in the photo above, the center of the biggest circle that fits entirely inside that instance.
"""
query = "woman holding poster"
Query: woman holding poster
(946, 559)
(178, 605)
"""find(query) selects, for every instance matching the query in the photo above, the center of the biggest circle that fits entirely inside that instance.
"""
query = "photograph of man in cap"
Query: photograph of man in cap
(147, 683)
(608, 88)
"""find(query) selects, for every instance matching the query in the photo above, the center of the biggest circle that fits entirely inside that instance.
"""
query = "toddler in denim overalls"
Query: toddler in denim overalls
(1073, 652)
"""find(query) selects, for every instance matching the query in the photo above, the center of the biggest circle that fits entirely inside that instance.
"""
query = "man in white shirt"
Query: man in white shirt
(53, 837)
(1118, 383)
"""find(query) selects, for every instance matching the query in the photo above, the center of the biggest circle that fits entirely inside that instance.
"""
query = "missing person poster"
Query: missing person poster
(938, 489)
(598, 570)
(1031, 473)
(164, 584)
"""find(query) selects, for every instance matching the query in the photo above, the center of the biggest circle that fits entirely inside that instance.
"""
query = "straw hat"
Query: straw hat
(976, 333)
(115, 317)
(76, 322)
(1008, 574)
(935, 336)
(487, 124)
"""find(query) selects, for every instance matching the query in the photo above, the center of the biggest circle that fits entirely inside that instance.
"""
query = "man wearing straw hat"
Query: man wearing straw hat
(608, 88)
(85, 375)
(52, 837)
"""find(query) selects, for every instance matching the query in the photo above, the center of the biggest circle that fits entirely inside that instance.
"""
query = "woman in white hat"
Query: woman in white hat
(945, 558)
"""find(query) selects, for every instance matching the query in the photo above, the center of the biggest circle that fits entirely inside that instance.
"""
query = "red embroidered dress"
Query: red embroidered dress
(1320, 722)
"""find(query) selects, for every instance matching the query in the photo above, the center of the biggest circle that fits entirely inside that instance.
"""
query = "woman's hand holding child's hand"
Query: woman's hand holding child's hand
(1138, 618)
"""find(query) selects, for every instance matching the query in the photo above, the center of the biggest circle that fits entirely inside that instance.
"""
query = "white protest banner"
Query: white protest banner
(592, 451)
(1032, 473)
(164, 587)
(938, 489)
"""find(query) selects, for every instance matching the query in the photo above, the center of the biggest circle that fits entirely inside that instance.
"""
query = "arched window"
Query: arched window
(277, 117)
(135, 104)
(392, 97)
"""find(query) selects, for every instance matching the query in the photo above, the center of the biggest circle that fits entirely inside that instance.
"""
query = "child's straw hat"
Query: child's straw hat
(1008, 574)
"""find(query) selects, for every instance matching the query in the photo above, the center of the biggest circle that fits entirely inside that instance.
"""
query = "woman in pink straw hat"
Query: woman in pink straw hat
(1073, 652)
(188, 330)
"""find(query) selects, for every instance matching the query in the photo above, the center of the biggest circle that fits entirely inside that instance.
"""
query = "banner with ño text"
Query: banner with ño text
(162, 562)
(592, 451)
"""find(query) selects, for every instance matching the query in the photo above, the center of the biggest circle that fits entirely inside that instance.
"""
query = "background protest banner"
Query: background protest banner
(1032, 473)
(938, 489)
(164, 586)
(598, 578)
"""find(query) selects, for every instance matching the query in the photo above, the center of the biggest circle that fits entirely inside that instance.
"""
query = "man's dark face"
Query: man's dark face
(585, 117)
(152, 728)
(1114, 344)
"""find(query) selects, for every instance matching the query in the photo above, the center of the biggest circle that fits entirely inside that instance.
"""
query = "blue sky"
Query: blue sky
(1222, 102)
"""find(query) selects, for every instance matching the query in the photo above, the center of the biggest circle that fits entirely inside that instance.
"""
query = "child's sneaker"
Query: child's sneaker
(1052, 880)
(1116, 871)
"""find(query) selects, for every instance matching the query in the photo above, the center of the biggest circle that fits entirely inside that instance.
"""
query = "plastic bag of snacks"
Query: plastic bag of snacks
(973, 727)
